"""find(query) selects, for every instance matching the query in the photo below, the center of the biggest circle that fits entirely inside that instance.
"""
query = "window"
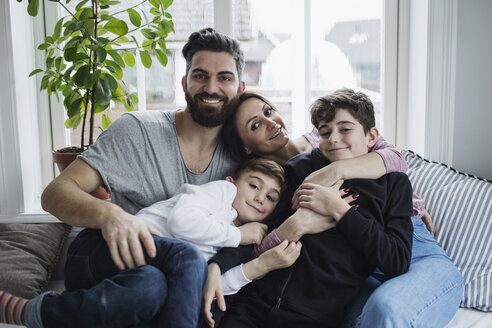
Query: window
(304, 50)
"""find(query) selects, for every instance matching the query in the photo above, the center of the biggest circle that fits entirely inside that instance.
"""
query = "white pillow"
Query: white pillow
(461, 208)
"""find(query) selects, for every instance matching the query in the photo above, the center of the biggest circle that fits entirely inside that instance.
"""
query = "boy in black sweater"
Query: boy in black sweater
(375, 232)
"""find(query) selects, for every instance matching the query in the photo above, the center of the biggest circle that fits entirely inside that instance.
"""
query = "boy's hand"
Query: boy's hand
(212, 289)
(326, 201)
(281, 256)
(303, 222)
(252, 233)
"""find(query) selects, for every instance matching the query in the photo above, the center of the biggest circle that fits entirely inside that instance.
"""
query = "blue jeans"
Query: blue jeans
(428, 295)
(167, 291)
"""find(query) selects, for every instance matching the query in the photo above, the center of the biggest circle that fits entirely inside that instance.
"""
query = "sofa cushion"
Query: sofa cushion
(29, 253)
(461, 208)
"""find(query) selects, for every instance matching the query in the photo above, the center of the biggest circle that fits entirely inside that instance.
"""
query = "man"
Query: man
(116, 270)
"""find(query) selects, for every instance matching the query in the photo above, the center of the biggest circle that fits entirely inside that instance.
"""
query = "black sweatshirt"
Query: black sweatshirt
(334, 264)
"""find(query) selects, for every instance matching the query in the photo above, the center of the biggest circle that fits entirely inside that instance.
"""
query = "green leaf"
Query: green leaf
(147, 45)
(168, 15)
(114, 68)
(36, 71)
(80, 5)
(145, 59)
(44, 82)
(155, 11)
(82, 77)
(134, 98)
(166, 3)
(117, 58)
(135, 17)
(43, 46)
(58, 63)
(161, 57)
(155, 3)
(103, 94)
(162, 44)
(73, 122)
(128, 104)
(74, 107)
(105, 121)
(58, 28)
(70, 54)
(111, 83)
(129, 59)
(33, 7)
(117, 27)
(101, 54)
(148, 33)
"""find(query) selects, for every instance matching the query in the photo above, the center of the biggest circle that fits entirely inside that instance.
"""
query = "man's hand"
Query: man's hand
(304, 221)
(125, 234)
(252, 233)
(426, 218)
(212, 289)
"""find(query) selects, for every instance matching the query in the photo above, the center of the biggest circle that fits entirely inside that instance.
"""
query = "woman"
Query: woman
(429, 294)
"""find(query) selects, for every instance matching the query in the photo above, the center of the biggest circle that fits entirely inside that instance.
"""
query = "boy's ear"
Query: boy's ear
(229, 178)
(372, 137)
(247, 151)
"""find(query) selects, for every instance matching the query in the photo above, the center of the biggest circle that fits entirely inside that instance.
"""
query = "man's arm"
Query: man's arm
(67, 197)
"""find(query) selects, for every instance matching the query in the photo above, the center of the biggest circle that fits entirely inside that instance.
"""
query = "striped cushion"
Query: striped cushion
(460, 206)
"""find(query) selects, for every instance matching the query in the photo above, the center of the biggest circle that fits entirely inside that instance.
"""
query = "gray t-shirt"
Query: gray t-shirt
(140, 162)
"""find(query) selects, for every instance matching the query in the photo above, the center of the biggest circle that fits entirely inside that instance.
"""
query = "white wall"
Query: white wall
(472, 146)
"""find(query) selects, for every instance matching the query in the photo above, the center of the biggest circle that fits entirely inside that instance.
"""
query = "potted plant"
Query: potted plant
(86, 54)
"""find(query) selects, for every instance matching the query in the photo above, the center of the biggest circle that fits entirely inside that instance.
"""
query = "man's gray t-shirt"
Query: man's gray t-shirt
(140, 162)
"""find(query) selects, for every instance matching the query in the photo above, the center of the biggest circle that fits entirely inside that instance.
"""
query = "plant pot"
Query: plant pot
(62, 158)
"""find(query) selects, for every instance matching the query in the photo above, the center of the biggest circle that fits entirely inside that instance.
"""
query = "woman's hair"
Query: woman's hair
(357, 103)
(229, 132)
(265, 166)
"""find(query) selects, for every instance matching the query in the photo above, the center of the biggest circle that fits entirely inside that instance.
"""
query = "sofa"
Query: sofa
(460, 205)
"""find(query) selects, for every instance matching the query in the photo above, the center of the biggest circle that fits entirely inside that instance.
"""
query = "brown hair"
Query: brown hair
(357, 103)
(265, 166)
(210, 39)
(229, 132)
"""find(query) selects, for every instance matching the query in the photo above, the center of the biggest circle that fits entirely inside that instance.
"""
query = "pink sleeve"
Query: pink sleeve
(312, 137)
(270, 241)
(392, 158)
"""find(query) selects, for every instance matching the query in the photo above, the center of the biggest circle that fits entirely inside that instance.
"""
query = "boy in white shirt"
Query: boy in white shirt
(226, 213)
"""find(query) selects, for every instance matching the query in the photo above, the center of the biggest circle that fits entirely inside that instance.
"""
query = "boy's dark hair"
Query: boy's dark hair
(265, 166)
(210, 39)
(229, 132)
(357, 103)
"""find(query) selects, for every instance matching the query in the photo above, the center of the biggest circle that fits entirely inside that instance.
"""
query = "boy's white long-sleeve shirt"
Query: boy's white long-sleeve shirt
(203, 216)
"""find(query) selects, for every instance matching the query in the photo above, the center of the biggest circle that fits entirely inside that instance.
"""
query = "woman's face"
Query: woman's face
(260, 127)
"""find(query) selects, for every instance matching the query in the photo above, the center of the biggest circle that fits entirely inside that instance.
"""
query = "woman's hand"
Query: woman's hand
(212, 289)
(426, 218)
(326, 176)
(326, 201)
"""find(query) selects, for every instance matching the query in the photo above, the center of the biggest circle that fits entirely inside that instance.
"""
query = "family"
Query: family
(216, 199)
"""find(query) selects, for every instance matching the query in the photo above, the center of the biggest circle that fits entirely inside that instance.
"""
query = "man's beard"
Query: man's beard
(207, 115)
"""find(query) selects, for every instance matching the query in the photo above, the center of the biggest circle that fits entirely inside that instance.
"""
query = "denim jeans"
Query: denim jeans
(428, 295)
(167, 291)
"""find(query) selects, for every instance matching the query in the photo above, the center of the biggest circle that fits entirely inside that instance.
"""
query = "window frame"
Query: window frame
(50, 113)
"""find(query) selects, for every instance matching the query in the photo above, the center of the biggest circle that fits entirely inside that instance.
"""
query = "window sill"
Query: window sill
(35, 217)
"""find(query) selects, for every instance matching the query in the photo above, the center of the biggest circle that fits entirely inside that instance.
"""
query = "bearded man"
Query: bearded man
(117, 269)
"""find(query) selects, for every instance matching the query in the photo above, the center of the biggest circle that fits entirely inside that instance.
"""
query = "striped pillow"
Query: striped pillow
(460, 206)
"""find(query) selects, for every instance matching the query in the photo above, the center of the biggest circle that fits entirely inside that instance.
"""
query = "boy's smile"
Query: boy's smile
(344, 137)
